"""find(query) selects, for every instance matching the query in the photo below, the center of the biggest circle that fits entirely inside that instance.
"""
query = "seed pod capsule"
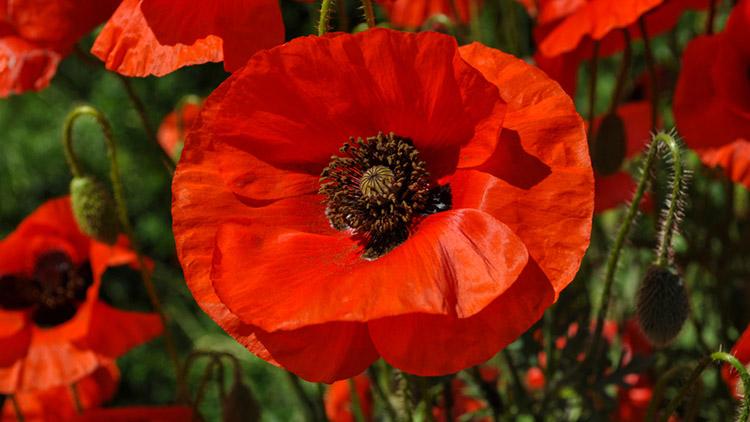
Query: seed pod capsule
(662, 305)
(94, 209)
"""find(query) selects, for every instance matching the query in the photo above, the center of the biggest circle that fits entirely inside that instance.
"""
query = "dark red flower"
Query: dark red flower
(137, 414)
(53, 329)
(36, 34)
(156, 37)
(56, 404)
(338, 400)
(491, 227)
(414, 13)
(741, 351)
(712, 100)
(175, 125)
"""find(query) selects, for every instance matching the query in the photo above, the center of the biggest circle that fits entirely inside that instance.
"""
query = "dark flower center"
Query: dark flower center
(54, 292)
(378, 190)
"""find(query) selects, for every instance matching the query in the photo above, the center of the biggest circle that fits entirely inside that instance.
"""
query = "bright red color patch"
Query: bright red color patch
(741, 351)
(33, 357)
(338, 400)
(36, 34)
(156, 37)
(712, 99)
(175, 125)
(261, 257)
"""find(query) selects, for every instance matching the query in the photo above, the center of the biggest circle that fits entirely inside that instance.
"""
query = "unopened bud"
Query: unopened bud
(94, 209)
(610, 145)
(662, 305)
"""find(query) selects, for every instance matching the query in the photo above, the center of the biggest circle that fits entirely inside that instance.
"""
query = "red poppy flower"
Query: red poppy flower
(566, 29)
(156, 37)
(321, 280)
(617, 188)
(137, 414)
(741, 351)
(338, 400)
(34, 36)
(172, 130)
(53, 328)
(712, 99)
(57, 404)
(414, 13)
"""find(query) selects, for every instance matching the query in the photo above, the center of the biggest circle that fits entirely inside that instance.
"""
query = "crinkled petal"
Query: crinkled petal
(113, 332)
(25, 66)
(734, 158)
(455, 263)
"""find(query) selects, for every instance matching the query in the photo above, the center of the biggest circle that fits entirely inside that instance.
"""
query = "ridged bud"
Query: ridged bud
(662, 305)
(610, 145)
(94, 209)
(240, 405)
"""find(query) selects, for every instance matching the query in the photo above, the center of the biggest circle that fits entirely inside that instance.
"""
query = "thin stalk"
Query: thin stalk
(744, 412)
(122, 215)
(342, 15)
(519, 392)
(356, 406)
(630, 216)
(668, 225)
(76, 399)
(16, 408)
(658, 391)
(380, 392)
(140, 108)
(651, 65)
(592, 90)
(369, 13)
(489, 392)
(310, 408)
(711, 17)
(325, 16)
(448, 399)
(622, 75)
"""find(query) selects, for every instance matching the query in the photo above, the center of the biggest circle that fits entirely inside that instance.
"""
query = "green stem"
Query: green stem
(489, 391)
(744, 411)
(16, 408)
(592, 90)
(343, 16)
(658, 391)
(710, 18)
(76, 398)
(122, 216)
(632, 213)
(356, 406)
(325, 16)
(622, 75)
(313, 414)
(668, 225)
(380, 392)
(140, 108)
(651, 65)
(369, 13)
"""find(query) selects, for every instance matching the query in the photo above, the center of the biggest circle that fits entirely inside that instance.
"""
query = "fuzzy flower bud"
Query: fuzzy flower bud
(94, 209)
(662, 305)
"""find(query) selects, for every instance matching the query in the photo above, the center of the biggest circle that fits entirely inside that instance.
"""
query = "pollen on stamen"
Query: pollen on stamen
(378, 190)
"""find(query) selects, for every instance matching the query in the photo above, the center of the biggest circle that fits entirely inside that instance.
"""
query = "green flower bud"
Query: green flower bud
(610, 145)
(662, 305)
(94, 209)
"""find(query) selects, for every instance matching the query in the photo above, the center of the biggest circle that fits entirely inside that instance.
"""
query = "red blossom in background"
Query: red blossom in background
(56, 404)
(712, 100)
(741, 351)
(338, 400)
(51, 340)
(307, 299)
(171, 134)
(156, 37)
(414, 13)
(36, 34)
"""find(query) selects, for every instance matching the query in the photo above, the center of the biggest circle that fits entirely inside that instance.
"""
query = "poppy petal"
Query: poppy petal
(613, 190)
(741, 351)
(128, 46)
(324, 352)
(25, 66)
(539, 181)
(132, 328)
(734, 158)
(458, 261)
(414, 85)
(243, 26)
(429, 345)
